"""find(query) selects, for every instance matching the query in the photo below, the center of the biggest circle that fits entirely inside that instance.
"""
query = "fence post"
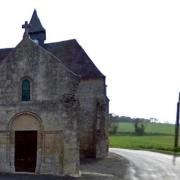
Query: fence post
(177, 125)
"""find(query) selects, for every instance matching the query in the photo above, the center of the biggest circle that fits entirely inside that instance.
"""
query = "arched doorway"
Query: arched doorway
(25, 142)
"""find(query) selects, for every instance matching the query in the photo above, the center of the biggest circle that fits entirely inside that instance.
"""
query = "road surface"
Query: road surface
(147, 165)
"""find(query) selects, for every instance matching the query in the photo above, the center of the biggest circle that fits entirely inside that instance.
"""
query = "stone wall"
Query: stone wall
(69, 115)
(50, 78)
(93, 143)
(52, 102)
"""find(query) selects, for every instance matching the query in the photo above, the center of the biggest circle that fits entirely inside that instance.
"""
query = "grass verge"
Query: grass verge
(160, 143)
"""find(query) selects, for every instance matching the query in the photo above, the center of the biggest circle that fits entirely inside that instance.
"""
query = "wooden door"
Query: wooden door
(25, 151)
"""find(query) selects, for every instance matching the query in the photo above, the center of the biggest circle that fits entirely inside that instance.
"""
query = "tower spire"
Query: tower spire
(36, 30)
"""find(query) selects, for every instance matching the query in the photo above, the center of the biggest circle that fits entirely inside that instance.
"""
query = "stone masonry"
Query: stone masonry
(67, 106)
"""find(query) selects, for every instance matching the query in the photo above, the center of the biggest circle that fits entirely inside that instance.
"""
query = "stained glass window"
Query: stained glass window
(25, 90)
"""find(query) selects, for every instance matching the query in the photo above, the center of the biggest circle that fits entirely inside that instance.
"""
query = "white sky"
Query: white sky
(135, 43)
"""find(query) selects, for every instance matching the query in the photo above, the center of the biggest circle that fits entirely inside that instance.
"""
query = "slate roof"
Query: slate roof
(72, 55)
(4, 53)
(35, 24)
(75, 58)
(69, 52)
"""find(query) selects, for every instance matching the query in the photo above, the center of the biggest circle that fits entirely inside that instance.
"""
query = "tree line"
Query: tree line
(139, 123)
(116, 118)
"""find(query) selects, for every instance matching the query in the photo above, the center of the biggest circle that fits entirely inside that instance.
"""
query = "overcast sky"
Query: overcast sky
(135, 43)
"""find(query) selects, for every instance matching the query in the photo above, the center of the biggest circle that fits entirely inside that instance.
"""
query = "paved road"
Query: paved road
(147, 165)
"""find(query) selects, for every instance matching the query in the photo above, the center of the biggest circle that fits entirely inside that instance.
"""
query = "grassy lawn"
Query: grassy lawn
(143, 142)
(158, 137)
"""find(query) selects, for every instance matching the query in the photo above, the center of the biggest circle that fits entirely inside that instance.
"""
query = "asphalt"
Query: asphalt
(146, 165)
(121, 164)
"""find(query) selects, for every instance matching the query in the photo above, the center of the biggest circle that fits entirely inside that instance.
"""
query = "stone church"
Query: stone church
(53, 105)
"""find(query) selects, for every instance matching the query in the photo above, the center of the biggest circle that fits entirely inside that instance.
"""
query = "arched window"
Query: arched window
(25, 90)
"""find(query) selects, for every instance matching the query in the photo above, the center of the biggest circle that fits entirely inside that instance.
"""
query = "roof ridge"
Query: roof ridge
(69, 40)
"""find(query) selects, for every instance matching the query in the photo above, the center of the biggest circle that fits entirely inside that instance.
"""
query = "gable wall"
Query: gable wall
(50, 81)
(49, 77)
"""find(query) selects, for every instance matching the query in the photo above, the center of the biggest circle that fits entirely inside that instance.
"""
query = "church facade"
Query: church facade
(53, 105)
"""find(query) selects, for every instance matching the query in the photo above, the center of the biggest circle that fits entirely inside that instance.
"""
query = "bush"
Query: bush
(139, 127)
(113, 129)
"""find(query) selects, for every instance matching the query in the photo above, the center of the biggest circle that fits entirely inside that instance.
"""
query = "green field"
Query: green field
(150, 128)
(158, 137)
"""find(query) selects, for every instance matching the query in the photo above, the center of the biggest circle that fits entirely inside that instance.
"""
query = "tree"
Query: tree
(113, 123)
(113, 128)
(153, 120)
(139, 126)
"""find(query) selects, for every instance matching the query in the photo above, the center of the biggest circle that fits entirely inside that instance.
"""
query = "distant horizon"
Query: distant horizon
(169, 122)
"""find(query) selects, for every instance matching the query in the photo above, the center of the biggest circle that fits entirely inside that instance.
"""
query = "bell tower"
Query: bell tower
(36, 30)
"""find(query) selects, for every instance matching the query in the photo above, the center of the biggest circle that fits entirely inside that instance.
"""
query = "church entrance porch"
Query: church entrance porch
(25, 151)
